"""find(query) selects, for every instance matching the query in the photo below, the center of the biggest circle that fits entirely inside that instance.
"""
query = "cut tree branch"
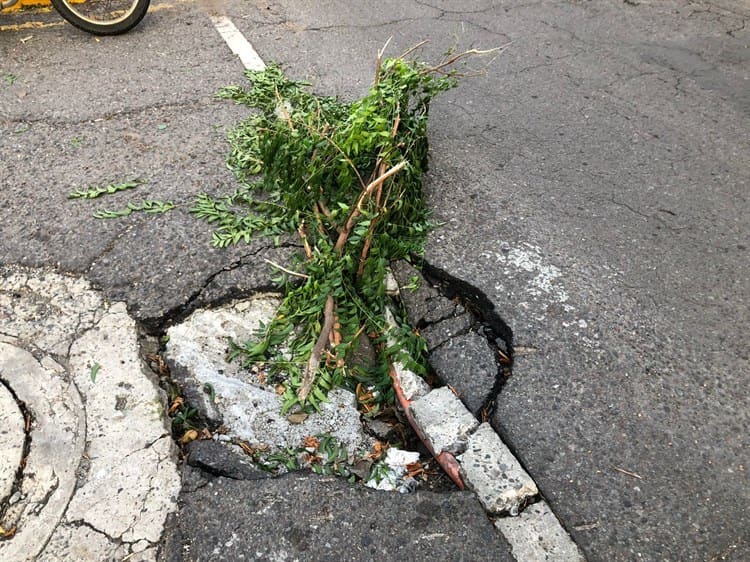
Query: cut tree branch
(308, 375)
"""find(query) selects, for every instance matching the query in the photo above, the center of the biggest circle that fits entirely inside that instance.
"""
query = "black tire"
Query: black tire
(103, 17)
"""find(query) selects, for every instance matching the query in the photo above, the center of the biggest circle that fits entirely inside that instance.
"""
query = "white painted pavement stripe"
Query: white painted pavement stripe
(237, 43)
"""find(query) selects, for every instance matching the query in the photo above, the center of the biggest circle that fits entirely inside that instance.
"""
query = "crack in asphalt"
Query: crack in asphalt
(363, 26)
(203, 101)
(181, 311)
(493, 327)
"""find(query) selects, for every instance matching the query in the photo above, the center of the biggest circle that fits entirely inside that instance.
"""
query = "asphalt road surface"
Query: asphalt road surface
(592, 183)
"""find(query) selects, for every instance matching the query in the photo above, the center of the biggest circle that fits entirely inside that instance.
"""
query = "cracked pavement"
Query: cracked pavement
(592, 186)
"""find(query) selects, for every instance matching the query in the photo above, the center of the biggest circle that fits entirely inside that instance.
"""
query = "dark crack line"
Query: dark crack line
(204, 101)
(28, 419)
(363, 26)
(648, 217)
(182, 311)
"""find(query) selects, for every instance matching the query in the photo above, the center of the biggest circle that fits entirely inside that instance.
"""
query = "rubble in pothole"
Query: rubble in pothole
(231, 422)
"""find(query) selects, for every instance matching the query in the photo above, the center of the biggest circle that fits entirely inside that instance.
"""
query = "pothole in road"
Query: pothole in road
(228, 417)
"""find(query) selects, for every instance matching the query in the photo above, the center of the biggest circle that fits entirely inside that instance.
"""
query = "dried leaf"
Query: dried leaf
(310, 442)
(176, 404)
(297, 417)
(188, 436)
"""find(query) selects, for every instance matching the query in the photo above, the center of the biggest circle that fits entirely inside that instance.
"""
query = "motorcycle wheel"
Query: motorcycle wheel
(103, 17)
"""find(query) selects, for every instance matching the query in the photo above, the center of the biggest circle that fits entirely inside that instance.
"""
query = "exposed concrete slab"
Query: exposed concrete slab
(12, 438)
(444, 420)
(307, 517)
(130, 448)
(537, 535)
(491, 470)
(100, 476)
(45, 308)
(58, 440)
(242, 400)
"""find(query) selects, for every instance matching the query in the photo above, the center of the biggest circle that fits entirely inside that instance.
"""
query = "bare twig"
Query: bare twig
(410, 50)
(374, 221)
(379, 62)
(633, 474)
(285, 270)
(308, 375)
(324, 209)
(459, 56)
(302, 231)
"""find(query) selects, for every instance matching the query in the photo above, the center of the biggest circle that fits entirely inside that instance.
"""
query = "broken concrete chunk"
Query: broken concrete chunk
(411, 383)
(536, 534)
(12, 438)
(490, 469)
(444, 420)
(424, 304)
(58, 437)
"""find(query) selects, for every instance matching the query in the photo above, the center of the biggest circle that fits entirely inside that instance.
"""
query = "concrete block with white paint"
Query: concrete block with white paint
(536, 535)
(490, 469)
(444, 420)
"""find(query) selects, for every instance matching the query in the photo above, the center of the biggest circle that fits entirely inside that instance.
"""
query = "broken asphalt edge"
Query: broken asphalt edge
(475, 457)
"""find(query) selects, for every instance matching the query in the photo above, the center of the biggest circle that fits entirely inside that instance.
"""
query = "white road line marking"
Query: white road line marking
(237, 43)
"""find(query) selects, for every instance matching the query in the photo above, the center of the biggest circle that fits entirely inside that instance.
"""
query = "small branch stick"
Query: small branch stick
(409, 51)
(627, 472)
(380, 61)
(308, 375)
(303, 235)
(465, 54)
(285, 270)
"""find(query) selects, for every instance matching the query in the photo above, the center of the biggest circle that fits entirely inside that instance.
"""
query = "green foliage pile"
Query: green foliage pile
(346, 177)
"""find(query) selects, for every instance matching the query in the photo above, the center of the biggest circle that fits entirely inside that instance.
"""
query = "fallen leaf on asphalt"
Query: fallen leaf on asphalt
(378, 450)
(247, 448)
(414, 469)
